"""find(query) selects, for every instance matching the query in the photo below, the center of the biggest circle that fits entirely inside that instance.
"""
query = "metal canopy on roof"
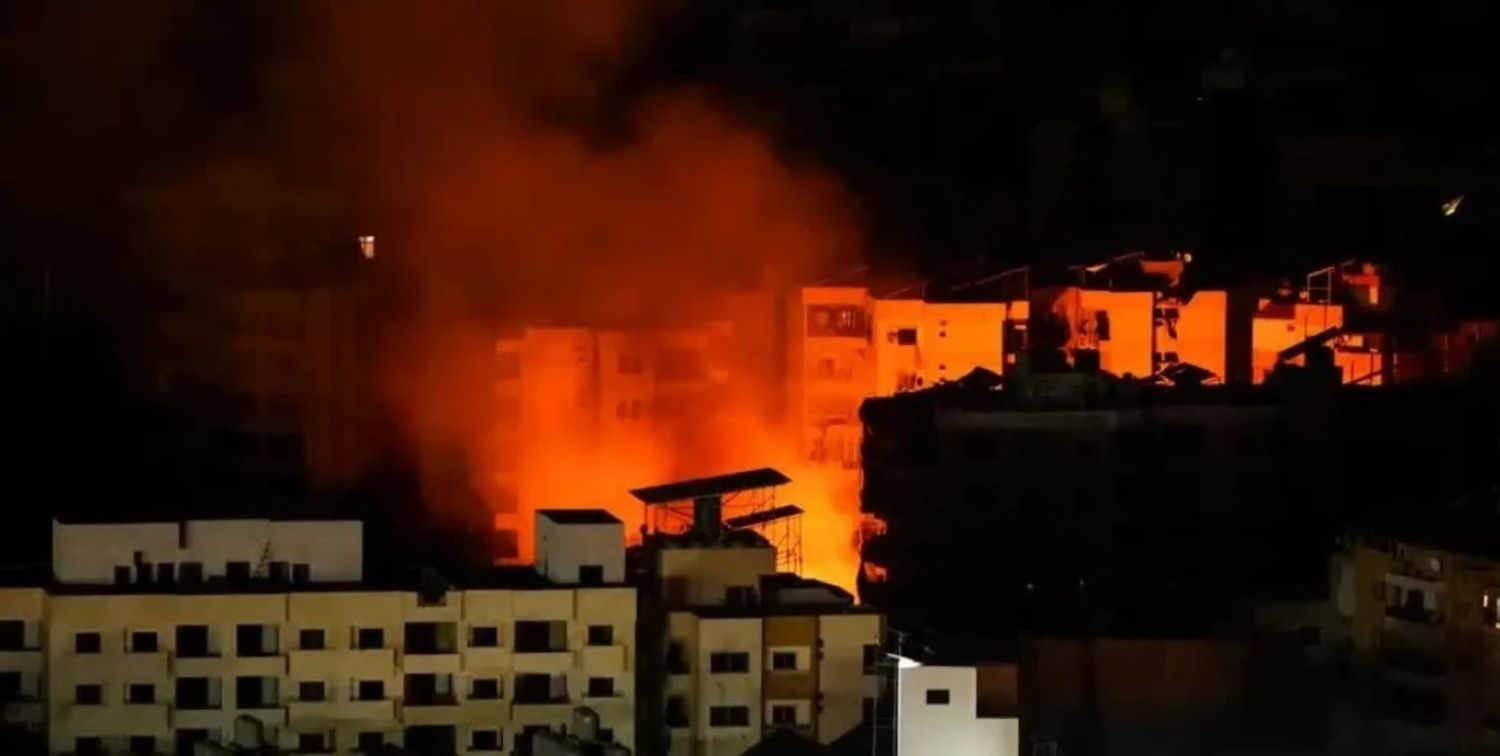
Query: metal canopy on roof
(682, 490)
(764, 516)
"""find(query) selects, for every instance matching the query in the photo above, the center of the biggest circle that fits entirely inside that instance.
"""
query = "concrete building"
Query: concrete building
(1420, 604)
(938, 711)
(209, 640)
(746, 649)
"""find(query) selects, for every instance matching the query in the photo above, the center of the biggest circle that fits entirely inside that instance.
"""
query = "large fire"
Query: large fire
(516, 190)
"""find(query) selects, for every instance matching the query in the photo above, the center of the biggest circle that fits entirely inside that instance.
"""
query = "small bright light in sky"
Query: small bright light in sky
(1451, 206)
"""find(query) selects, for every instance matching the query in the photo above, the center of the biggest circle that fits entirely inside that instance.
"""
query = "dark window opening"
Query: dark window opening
(783, 660)
(601, 687)
(86, 643)
(601, 635)
(237, 572)
(676, 714)
(540, 637)
(313, 742)
(430, 638)
(729, 716)
(783, 715)
(192, 641)
(676, 659)
(937, 696)
(253, 693)
(88, 695)
(486, 689)
(254, 640)
(369, 637)
(370, 690)
(484, 740)
(484, 637)
(535, 687)
(728, 662)
(311, 639)
(142, 745)
(193, 693)
(310, 690)
(191, 572)
(906, 337)
(590, 574)
(428, 690)
(370, 741)
(143, 642)
(140, 693)
(88, 746)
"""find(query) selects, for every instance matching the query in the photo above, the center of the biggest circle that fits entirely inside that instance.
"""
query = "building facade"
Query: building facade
(124, 657)
(938, 711)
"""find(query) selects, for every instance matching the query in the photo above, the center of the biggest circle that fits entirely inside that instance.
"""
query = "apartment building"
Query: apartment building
(1420, 604)
(748, 650)
(938, 710)
(145, 644)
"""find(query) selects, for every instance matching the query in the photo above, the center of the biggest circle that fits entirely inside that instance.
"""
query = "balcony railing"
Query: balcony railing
(437, 699)
(1420, 614)
(539, 698)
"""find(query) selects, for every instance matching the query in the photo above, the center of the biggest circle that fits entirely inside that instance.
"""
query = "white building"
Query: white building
(937, 712)
(161, 654)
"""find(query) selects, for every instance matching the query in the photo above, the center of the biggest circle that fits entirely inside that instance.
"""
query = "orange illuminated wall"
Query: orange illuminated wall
(1202, 331)
(919, 344)
(1280, 325)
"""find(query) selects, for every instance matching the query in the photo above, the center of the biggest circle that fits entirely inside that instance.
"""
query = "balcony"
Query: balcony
(444, 663)
(124, 719)
(200, 717)
(305, 712)
(603, 660)
(271, 715)
(542, 662)
(429, 710)
(493, 657)
(330, 663)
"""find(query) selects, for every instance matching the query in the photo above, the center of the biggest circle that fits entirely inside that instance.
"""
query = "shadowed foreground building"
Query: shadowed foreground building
(156, 636)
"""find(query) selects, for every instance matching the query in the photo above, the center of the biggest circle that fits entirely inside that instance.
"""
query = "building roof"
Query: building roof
(579, 516)
(764, 516)
(682, 490)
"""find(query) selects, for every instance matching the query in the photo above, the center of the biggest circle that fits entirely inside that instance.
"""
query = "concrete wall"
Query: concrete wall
(728, 689)
(842, 682)
(89, 553)
(562, 549)
(951, 728)
(705, 573)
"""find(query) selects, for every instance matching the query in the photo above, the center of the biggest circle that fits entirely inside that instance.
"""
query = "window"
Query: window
(601, 687)
(836, 320)
(484, 637)
(142, 745)
(313, 742)
(601, 635)
(784, 660)
(533, 687)
(729, 716)
(540, 637)
(871, 657)
(370, 741)
(166, 574)
(676, 659)
(237, 572)
(301, 574)
(427, 689)
(10, 686)
(191, 572)
(484, 740)
(523, 744)
(143, 642)
(369, 637)
(140, 693)
(254, 692)
(485, 689)
(782, 714)
(590, 574)
(370, 690)
(728, 662)
(311, 639)
(739, 595)
(311, 690)
(906, 337)
(430, 638)
(676, 715)
(937, 696)
(193, 693)
(85, 643)
(192, 640)
(89, 746)
(254, 640)
(88, 695)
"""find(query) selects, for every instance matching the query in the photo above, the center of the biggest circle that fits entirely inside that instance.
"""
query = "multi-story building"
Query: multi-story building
(1320, 313)
(1421, 608)
(158, 636)
(939, 710)
(748, 649)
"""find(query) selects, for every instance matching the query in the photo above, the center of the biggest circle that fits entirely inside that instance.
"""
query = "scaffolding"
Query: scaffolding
(714, 506)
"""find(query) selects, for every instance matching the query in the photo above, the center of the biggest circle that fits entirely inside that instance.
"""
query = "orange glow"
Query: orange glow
(518, 196)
